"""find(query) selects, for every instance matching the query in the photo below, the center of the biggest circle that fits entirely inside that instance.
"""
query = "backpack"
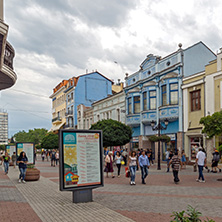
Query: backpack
(216, 157)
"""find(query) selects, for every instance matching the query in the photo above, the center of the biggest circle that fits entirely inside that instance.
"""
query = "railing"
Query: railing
(69, 113)
(56, 119)
(68, 126)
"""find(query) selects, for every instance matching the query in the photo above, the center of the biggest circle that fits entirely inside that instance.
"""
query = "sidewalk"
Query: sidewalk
(47, 202)
(116, 201)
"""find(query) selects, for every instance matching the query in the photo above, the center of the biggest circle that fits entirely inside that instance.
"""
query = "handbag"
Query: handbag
(127, 172)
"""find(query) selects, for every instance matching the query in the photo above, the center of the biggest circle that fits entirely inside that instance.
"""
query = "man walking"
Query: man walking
(176, 163)
(144, 165)
(215, 161)
(201, 162)
(168, 160)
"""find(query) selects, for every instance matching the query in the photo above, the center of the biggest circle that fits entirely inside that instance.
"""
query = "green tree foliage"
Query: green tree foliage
(114, 133)
(32, 136)
(162, 138)
(212, 124)
(50, 141)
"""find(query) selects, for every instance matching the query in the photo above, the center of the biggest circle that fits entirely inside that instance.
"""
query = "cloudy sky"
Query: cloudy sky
(58, 39)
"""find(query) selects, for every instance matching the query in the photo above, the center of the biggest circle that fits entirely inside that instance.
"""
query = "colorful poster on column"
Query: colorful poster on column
(81, 159)
(28, 148)
(10, 149)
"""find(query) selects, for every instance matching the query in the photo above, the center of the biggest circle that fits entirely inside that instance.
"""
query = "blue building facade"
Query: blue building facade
(154, 93)
(85, 89)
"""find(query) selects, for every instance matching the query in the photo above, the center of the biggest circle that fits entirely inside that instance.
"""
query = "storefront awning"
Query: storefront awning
(56, 127)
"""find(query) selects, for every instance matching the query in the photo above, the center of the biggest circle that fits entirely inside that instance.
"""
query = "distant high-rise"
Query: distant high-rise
(3, 128)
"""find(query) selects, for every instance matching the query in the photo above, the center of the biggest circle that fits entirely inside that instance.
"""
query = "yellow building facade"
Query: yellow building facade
(59, 106)
(202, 96)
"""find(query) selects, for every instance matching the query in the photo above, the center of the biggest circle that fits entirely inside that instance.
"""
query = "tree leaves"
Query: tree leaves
(114, 133)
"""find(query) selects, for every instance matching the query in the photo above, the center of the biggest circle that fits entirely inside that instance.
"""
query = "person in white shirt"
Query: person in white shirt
(201, 162)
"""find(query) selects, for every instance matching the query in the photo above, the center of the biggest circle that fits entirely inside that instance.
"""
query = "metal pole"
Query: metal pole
(158, 167)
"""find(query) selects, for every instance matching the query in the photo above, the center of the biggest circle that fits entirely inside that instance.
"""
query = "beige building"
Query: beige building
(59, 106)
(3, 127)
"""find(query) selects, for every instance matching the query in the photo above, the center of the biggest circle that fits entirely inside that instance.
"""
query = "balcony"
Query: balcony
(7, 75)
(69, 126)
(69, 113)
(57, 120)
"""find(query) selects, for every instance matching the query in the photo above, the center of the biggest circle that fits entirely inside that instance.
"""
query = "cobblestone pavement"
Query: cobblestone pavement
(117, 200)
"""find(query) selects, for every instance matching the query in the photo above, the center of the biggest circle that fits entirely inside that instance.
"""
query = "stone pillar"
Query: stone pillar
(1, 10)
(180, 141)
(209, 149)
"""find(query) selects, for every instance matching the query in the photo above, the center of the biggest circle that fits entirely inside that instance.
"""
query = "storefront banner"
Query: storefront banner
(81, 159)
(28, 148)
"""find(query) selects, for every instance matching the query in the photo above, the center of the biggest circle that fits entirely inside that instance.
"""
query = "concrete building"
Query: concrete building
(85, 89)
(154, 93)
(111, 107)
(7, 75)
(3, 127)
(193, 109)
(59, 106)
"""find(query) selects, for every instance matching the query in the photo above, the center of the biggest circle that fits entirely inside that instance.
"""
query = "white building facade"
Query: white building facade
(3, 128)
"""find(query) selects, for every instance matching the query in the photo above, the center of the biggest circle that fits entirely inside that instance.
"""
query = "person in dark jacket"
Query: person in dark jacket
(22, 162)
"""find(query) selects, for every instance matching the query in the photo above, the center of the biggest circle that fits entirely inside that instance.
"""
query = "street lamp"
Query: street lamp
(159, 127)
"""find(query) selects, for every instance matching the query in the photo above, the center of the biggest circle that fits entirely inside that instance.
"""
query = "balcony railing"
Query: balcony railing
(69, 126)
(57, 119)
(69, 113)
(9, 55)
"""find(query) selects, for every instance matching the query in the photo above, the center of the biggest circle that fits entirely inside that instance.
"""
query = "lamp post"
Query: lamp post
(159, 127)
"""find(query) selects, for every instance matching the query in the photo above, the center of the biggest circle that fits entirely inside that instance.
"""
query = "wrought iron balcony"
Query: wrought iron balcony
(58, 119)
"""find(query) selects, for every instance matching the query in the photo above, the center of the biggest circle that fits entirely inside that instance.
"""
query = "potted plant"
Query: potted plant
(32, 173)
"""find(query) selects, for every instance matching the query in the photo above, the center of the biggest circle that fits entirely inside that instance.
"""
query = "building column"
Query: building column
(1, 10)
(209, 149)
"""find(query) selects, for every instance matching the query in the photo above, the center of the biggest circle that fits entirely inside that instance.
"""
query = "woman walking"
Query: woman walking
(109, 164)
(133, 165)
(22, 161)
(118, 159)
(6, 159)
(183, 159)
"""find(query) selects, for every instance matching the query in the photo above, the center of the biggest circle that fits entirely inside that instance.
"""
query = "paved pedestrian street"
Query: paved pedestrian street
(116, 201)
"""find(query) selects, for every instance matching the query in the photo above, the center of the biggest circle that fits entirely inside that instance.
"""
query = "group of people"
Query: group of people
(143, 159)
(21, 160)
(53, 155)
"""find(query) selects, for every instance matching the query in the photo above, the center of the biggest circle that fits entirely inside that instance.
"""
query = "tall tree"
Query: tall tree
(34, 136)
(212, 124)
(114, 133)
(50, 141)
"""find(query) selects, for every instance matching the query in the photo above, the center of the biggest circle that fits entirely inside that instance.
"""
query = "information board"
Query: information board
(81, 160)
(10, 149)
(28, 148)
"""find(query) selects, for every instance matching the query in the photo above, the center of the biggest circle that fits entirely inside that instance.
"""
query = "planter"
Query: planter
(32, 174)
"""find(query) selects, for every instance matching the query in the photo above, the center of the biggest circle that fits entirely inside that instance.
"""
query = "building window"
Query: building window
(195, 100)
(164, 95)
(144, 101)
(136, 104)
(118, 115)
(129, 105)
(97, 117)
(174, 94)
(153, 99)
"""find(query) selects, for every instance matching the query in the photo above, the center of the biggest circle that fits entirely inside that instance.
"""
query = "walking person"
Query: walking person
(22, 161)
(133, 165)
(201, 162)
(14, 158)
(168, 160)
(183, 159)
(144, 165)
(43, 156)
(124, 155)
(118, 159)
(57, 157)
(215, 161)
(6, 159)
(176, 163)
(53, 158)
(109, 164)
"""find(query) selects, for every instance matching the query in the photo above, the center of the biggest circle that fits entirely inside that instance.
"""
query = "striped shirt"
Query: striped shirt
(176, 163)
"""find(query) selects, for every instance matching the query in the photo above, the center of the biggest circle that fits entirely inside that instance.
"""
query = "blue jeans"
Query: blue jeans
(144, 171)
(168, 167)
(22, 173)
(6, 165)
(133, 173)
(200, 168)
